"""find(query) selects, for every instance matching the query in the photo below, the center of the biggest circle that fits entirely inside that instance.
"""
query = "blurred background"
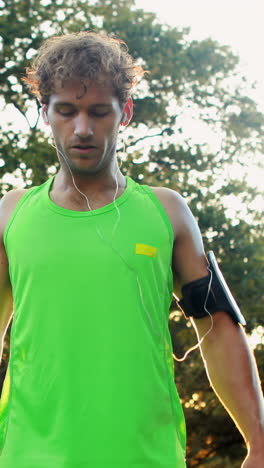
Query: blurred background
(198, 128)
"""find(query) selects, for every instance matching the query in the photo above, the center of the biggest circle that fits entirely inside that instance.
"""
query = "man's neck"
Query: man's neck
(99, 189)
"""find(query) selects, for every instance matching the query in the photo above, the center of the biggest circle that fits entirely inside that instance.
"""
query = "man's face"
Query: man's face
(85, 124)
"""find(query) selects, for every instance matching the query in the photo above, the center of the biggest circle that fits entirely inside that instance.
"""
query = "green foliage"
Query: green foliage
(187, 75)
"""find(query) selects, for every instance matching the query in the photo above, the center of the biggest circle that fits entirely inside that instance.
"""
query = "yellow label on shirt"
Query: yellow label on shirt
(143, 249)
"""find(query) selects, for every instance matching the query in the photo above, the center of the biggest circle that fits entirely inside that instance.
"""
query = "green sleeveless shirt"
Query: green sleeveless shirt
(90, 379)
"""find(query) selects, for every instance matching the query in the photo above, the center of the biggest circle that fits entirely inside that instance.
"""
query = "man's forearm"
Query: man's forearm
(232, 371)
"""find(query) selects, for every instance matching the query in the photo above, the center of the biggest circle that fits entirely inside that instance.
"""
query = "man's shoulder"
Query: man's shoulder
(166, 193)
(11, 197)
(7, 205)
(174, 205)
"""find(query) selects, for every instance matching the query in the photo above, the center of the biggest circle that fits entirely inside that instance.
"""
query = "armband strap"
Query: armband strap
(196, 298)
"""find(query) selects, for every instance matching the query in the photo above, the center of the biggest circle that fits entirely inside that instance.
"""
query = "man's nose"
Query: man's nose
(83, 126)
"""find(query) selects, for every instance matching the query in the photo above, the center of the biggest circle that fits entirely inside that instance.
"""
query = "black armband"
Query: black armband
(209, 293)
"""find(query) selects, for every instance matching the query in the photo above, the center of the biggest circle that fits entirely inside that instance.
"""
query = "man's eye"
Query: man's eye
(65, 111)
(100, 112)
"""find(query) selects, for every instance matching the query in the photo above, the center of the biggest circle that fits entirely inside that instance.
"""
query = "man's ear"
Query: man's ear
(127, 113)
(44, 111)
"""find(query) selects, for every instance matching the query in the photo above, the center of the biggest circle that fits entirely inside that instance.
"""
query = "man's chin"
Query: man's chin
(85, 167)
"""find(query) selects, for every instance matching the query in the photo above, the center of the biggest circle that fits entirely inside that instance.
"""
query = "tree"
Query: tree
(186, 78)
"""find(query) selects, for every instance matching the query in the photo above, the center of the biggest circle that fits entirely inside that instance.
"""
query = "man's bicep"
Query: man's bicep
(6, 299)
(189, 260)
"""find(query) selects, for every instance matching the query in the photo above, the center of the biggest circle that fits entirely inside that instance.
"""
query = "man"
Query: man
(89, 255)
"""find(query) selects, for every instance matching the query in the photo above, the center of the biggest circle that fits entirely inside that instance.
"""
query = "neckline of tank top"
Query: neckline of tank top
(110, 206)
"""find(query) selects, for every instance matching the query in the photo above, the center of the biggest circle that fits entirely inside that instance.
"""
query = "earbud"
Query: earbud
(45, 115)
(124, 118)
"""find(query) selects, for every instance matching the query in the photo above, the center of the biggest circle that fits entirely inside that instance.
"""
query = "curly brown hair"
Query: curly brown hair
(85, 55)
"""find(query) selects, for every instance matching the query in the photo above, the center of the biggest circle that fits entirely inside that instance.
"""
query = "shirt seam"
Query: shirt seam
(86, 214)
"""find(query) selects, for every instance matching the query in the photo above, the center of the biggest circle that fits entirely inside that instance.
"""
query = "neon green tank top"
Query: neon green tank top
(90, 379)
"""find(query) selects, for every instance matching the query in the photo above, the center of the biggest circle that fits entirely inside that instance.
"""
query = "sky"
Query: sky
(238, 23)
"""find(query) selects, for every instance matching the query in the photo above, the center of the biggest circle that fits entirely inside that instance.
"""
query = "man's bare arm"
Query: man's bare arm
(228, 360)
(6, 300)
(7, 205)
(233, 373)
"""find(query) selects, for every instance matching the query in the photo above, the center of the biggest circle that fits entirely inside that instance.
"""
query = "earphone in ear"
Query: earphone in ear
(124, 118)
(45, 115)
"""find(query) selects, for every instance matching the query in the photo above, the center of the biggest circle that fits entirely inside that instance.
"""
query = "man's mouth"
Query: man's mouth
(82, 149)
(83, 146)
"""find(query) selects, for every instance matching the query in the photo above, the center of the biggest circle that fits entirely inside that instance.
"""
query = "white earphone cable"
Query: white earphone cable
(129, 266)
